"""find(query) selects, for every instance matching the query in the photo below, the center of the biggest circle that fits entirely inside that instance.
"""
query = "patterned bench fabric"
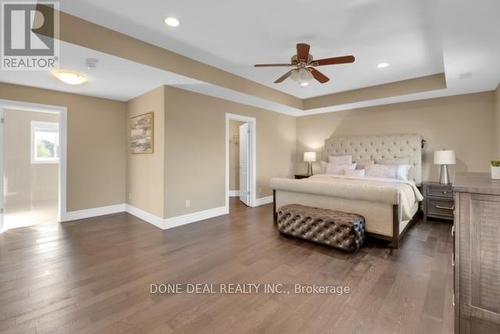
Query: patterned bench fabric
(333, 228)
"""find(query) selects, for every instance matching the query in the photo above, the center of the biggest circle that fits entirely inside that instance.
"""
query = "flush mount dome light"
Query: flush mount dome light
(172, 22)
(383, 65)
(70, 78)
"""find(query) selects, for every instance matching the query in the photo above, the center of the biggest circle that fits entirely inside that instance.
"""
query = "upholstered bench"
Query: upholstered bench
(337, 229)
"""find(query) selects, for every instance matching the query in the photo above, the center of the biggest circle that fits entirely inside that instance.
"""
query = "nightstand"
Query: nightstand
(301, 176)
(438, 201)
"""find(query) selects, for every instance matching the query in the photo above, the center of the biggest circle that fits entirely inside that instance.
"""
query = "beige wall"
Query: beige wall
(96, 144)
(145, 172)
(463, 123)
(195, 149)
(404, 87)
(497, 121)
(27, 185)
(189, 158)
(234, 155)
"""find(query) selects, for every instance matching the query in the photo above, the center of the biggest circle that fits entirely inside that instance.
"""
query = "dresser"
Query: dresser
(438, 201)
(476, 260)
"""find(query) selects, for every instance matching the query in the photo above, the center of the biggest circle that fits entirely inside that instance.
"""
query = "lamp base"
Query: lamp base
(444, 176)
(309, 169)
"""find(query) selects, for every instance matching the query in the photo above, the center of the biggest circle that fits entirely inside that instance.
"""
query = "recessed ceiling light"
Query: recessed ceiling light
(71, 78)
(383, 65)
(172, 21)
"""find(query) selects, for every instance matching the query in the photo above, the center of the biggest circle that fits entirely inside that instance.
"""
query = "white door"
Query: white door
(244, 163)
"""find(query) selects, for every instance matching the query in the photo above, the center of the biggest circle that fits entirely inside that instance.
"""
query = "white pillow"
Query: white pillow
(355, 172)
(340, 159)
(362, 164)
(398, 172)
(339, 169)
(385, 171)
(404, 172)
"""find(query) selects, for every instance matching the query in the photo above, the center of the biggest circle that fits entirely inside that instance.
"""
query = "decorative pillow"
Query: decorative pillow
(363, 164)
(339, 169)
(355, 172)
(340, 159)
(385, 171)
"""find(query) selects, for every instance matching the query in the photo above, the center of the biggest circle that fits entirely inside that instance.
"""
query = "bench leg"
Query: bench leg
(275, 213)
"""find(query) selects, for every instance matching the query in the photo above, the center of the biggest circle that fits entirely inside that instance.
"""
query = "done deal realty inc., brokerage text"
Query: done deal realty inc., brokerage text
(247, 288)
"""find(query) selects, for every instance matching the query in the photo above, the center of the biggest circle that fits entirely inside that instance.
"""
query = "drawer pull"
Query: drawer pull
(444, 192)
(453, 230)
(444, 207)
(453, 259)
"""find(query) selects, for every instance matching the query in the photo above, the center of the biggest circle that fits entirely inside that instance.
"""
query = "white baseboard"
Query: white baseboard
(263, 201)
(146, 216)
(166, 223)
(234, 193)
(162, 223)
(94, 212)
(194, 217)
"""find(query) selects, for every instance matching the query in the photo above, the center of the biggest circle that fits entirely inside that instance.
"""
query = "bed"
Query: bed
(389, 206)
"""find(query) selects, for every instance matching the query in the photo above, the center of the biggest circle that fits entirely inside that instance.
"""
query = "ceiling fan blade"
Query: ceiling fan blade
(319, 76)
(303, 51)
(271, 65)
(334, 61)
(284, 76)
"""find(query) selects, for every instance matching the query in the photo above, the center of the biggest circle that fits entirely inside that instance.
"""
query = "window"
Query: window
(44, 143)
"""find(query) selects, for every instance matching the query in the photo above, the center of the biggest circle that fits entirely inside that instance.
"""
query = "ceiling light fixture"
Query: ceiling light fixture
(302, 76)
(383, 65)
(70, 78)
(172, 22)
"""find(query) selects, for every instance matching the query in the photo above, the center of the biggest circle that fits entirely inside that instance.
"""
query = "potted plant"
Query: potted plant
(495, 169)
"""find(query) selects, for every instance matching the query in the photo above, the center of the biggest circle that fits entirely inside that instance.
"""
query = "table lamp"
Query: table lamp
(309, 157)
(444, 158)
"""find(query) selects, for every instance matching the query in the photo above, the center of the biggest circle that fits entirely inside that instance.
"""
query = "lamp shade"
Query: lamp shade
(309, 156)
(444, 157)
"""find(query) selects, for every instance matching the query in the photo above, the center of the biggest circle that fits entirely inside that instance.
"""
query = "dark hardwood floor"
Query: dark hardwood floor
(94, 275)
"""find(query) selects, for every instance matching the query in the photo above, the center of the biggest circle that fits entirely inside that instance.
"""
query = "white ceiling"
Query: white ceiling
(234, 34)
(468, 33)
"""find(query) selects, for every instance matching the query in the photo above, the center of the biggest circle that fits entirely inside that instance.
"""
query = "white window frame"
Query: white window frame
(49, 127)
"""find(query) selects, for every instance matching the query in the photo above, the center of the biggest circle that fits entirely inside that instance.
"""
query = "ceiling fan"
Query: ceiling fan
(305, 66)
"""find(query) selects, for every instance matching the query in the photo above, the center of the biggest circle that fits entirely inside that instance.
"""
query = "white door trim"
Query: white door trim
(63, 144)
(252, 122)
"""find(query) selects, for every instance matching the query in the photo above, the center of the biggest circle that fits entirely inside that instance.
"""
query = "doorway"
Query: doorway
(240, 158)
(33, 164)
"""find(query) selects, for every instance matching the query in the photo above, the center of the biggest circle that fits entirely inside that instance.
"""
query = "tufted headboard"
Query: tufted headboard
(381, 147)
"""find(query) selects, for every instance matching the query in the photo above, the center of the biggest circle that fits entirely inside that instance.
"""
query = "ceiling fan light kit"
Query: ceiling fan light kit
(305, 66)
(302, 76)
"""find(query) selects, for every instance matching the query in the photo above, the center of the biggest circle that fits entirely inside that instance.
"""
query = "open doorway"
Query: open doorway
(32, 145)
(240, 159)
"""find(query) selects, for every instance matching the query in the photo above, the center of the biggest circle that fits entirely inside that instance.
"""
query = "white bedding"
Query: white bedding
(367, 189)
